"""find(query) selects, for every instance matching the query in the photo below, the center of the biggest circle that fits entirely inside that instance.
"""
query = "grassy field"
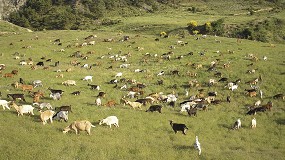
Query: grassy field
(143, 135)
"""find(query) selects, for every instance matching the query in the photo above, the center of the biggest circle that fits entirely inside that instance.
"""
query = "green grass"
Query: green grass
(143, 135)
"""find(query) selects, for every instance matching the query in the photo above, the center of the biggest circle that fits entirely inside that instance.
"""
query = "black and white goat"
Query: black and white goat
(178, 127)
(197, 146)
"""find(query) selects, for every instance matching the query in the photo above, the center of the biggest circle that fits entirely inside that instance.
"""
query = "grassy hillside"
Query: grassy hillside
(143, 135)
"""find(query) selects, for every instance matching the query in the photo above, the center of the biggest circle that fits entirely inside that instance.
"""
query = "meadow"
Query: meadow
(143, 135)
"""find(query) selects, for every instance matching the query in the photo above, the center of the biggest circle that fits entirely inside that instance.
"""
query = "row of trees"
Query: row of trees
(265, 31)
(72, 14)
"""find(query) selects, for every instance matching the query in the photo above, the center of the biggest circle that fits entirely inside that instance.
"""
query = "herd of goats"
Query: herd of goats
(135, 89)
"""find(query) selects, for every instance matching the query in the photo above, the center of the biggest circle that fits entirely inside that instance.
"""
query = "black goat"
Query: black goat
(178, 127)
(56, 91)
(76, 93)
(154, 108)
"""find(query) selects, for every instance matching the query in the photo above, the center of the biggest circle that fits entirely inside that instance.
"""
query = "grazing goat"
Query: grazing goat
(56, 91)
(178, 127)
(87, 78)
(61, 115)
(26, 87)
(253, 123)
(109, 121)
(69, 83)
(154, 108)
(46, 115)
(23, 109)
(94, 86)
(55, 96)
(197, 145)
(43, 105)
(134, 104)
(279, 96)
(76, 93)
(237, 124)
(119, 74)
(79, 126)
(4, 104)
(37, 83)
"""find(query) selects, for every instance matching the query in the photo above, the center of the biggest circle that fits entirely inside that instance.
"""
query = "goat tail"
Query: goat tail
(92, 125)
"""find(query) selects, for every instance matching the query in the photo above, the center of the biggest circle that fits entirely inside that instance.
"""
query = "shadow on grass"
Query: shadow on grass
(229, 127)
(184, 147)
(280, 121)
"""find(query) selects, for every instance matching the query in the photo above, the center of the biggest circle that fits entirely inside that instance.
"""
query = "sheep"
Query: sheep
(253, 123)
(77, 126)
(46, 115)
(109, 121)
(87, 78)
(237, 124)
(61, 115)
(134, 104)
(4, 104)
(69, 83)
(197, 146)
(23, 109)
(178, 127)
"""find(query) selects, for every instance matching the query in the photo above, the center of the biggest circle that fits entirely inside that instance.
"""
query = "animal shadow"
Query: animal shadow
(280, 121)
(183, 147)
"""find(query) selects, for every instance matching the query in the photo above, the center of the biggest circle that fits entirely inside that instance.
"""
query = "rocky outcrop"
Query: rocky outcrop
(8, 6)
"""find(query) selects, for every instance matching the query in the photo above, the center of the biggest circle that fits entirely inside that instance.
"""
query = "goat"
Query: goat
(23, 109)
(26, 87)
(178, 127)
(55, 96)
(197, 145)
(64, 108)
(37, 83)
(134, 104)
(237, 124)
(61, 115)
(98, 101)
(94, 86)
(109, 121)
(253, 123)
(46, 115)
(16, 96)
(79, 126)
(53, 91)
(43, 105)
(154, 108)
(119, 74)
(76, 93)
(86, 78)
(192, 111)
(69, 83)
(4, 104)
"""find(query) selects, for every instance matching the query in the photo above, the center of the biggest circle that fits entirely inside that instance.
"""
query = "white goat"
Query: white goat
(23, 109)
(4, 104)
(109, 121)
(87, 78)
(134, 104)
(197, 145)
(253, 123)
(119, 74)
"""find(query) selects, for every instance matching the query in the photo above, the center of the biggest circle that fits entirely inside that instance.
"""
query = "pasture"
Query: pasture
(143, 135)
